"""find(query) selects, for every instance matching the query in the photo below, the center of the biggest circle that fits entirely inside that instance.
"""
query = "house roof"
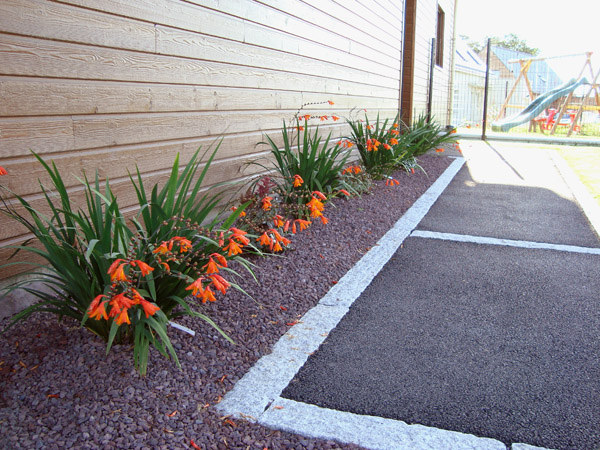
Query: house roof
(541, 76)
(467, 60)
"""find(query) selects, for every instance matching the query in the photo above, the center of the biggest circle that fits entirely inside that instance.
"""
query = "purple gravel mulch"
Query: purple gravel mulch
(58, 389)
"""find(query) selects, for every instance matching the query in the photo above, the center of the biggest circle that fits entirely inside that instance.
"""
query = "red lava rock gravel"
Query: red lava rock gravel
(58, 389)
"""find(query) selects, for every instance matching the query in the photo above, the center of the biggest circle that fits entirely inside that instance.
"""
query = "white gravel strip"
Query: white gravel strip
(504, 242)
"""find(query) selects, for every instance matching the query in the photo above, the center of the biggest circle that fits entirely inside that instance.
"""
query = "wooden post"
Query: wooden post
(523, 72)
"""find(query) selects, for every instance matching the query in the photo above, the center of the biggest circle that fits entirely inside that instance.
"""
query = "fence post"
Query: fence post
(431, 72)
(486, 89)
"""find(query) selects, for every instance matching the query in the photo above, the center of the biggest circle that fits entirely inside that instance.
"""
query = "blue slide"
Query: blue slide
(538, 105)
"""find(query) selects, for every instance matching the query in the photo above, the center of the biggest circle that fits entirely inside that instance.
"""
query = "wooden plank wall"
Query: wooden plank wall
(110, 84)
(425, 31)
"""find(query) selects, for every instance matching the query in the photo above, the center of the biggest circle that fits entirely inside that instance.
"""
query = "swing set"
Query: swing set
(568, 114)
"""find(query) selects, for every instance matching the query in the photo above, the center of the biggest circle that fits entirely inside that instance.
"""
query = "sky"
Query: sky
(555, 27)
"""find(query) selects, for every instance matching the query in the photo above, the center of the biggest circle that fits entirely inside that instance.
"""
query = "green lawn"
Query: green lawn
(585, 162)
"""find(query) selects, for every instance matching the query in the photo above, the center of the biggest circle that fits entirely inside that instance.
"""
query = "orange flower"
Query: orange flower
(211, 266)
(278, 221)
(184, 244)
(286, 227)
(302, 224)
(164, 247)
(357, 169)
(300, 128)
(395, 132)
(439, 150)
(266, 203)
(3, 171)
(144, 268)
(315, 207)
(123, 317)
(208, 295)
(412, 170)
(96, 309)
(220, 258)
(393, 141)
(306, 117)
(324, 220)
(221, 239)
(345, 192)
(121, 301)
(330, 102)
(196, 287)
(242, 214)
(114, 265)
(387, 147)
(240, 236)
(395, 125)
(149, 308)
(118, 274)
(233, 248)
(298, 180)
(277, 247)
(220, 283)
(320, 195)
(323, 118)
(265, 240)
(391, 182)
(370, 127)
(335, 118)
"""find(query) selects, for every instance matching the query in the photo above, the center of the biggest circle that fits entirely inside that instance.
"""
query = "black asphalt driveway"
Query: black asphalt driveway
(496, 341)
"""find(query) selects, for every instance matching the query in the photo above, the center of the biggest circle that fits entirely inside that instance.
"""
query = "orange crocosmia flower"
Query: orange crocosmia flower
(278, 221)
(300, 128)
(330, 102)
(196, 287)
(370, 127)
(123, 317)
(391, 182)
(395, 125)
(439, 150)
(265, 240)
(293, 227)
(298, 180)
(320, 195)
(395, 132)
(412, 170)
(144, 268)
(335, 118)
(220, 258)
(211, 266)
(345, 192)
(393, 141)
(119, 273)
(164, 247)
(323, 118)
(240, 236)
(324, 220)
(149, 308)
(277, 247)
(208, 295)
(286, 226)
(302, 224)
(242, 214)
(114, 266)
(220, 283)
(275, 233)
(266, 203)
(357, 169)
(3, 171)
(387, 147)
(306, 117)
(96, 309)
(221, 239)
(184, 244)
(285, 241)
(315, 213)
(123, 301)
(315, 205)
(233, 248)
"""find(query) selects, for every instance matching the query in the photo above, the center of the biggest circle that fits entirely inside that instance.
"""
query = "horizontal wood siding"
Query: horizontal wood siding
(105, 85)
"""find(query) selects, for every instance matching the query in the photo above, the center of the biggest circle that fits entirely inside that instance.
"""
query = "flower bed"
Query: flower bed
(59, 390)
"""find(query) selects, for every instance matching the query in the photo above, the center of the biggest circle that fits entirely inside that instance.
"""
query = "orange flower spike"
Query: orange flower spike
(220, 283)
(122, 301)
(123, 317)
(298, 181)
(96, 309)
(335, 118)
(184, 244)
(387, 147)
(330, 102)
(306, 117)
(357, 170)
(393, 141)
(149, 308)
(302, 224)
(196, 287)
(144, 268)
(220, 258)
(323, 118)
(233, 248)
(209, 295)
(277, 247)
(266, 203)
(395, 132)
(114, 265)
(324, 220)
(285, 241)
(162, 248)
(3, 171)
(275, 233)
(137, 297)
(320, 195)
(345, 192)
